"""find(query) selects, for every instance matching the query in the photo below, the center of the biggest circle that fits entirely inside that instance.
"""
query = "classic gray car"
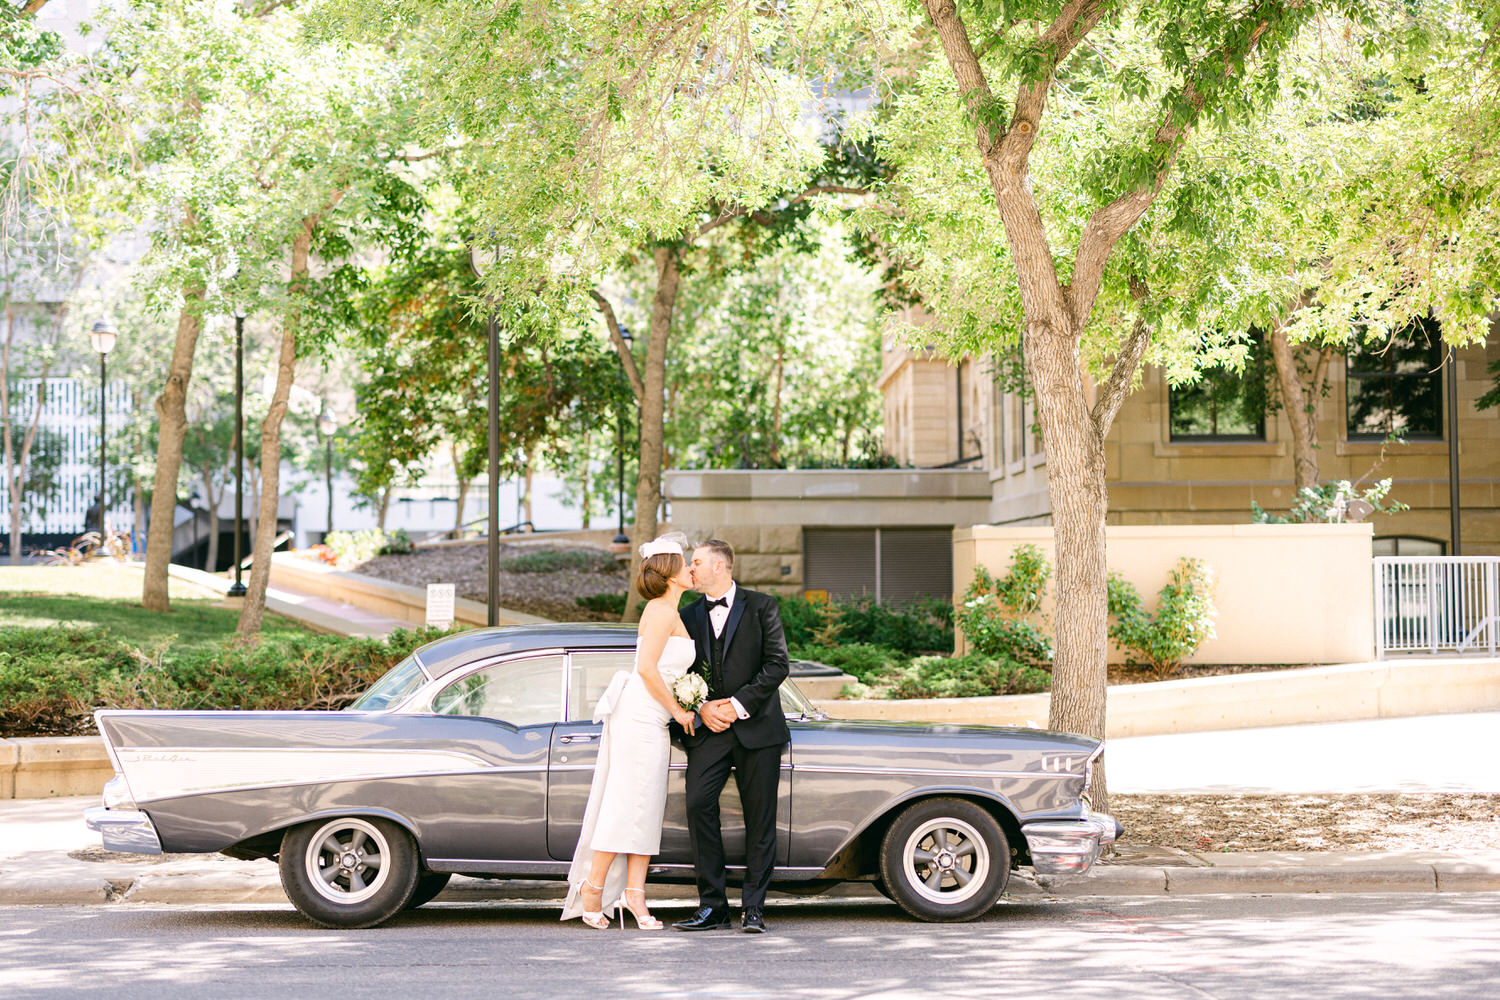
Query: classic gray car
(474, 756)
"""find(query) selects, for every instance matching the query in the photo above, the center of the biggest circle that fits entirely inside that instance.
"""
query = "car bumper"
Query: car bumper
(125, 830)
(1069, 847)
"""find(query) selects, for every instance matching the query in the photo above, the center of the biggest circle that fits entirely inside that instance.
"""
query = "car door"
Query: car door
(504, 710)
(575, 747)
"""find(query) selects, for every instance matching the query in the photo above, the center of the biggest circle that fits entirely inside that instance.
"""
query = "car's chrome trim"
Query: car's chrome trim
(127, 830)
(170, 772)
(1068, 847)
(491, 867)
(926, 772)
(395, 776)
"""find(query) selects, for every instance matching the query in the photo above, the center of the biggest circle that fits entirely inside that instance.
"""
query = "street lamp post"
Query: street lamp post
(327, 424)
(237, 589)
(481, 260)
(620, 537)
(102, 337)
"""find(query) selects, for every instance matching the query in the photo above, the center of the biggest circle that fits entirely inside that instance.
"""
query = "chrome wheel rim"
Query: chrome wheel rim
(346, 861)
(945, 861)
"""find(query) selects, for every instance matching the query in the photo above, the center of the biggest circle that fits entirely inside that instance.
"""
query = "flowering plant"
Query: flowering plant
(690, 690)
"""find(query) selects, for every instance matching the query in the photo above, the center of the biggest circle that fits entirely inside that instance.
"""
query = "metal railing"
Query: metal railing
(1437, 604)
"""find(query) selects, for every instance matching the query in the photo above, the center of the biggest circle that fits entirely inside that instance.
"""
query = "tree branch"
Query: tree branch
(972, 85)
(627, 360)
(1112, 394)
(763, 217)
(1112, 221)
(1062, 36)
(32, 6)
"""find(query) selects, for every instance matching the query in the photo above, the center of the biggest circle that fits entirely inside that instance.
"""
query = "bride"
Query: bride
(622, 823)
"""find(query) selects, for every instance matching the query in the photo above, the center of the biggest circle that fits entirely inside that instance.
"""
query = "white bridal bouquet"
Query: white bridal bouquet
(690, 690)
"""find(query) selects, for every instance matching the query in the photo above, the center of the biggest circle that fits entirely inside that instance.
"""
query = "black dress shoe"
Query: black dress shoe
(706, 919)
(752, 922)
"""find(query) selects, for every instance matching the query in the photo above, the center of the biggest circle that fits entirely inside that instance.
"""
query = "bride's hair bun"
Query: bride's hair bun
(656, 573)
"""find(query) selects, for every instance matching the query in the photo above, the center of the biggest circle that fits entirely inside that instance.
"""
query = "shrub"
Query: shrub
(613, 604)
(862, 660)
(922, 627)
(1184, 617)
(350, 548)
(996, 613)
(52, 678)
(560, 561)
(969, 676)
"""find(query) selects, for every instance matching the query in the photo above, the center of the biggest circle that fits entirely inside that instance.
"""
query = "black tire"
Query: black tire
(429, 884)
(352, 871)
(945, 860)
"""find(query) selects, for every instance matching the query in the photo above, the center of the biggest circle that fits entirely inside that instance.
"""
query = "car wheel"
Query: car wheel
(428, 887)
(353, 871)
(945, 860)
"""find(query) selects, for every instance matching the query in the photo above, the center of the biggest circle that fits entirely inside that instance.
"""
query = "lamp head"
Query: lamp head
(327, 424)
(102, 336)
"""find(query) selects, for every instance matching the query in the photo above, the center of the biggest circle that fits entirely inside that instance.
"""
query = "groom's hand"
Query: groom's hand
(718, 715)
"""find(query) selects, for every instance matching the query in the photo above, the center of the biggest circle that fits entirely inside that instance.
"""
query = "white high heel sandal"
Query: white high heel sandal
(646, 923)
(595, 918)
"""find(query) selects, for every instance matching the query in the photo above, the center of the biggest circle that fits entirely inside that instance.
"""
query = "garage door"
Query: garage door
(892, 565)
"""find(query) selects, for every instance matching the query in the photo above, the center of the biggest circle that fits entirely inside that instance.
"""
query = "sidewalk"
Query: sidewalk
(45, 851)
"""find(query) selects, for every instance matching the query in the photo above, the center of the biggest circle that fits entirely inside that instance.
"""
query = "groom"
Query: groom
(743, 653)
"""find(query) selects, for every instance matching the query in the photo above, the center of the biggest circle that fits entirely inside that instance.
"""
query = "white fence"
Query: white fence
(1437, 604)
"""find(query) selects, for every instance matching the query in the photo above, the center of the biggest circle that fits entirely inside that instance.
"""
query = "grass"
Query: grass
(109, 596)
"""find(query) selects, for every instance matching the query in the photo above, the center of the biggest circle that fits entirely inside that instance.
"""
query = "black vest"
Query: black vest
(716, 662)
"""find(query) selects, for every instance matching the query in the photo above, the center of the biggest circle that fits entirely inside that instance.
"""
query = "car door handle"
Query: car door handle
(579, 738)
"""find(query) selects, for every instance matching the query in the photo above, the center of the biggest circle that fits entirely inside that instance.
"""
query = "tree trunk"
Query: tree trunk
(1301, 409)
(776, 406)
(383, 507)
(652, 414)
(254, 609)
(16, 464)
(171, 419)
(1075, 486)
(463, 490)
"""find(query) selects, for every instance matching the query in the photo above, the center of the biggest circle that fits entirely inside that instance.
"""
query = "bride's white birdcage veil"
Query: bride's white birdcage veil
(671, 543)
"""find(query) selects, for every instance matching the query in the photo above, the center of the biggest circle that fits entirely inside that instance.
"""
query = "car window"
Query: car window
(591, 674)
(794, 704)
(524, 692)
(391, 690)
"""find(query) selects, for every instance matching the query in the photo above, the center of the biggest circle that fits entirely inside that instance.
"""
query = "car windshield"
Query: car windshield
(795, 704)
(392, 689)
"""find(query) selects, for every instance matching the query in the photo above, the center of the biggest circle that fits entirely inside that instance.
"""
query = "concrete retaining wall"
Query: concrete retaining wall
(1286, 593)
(47, 767)
(1387, 689)
(394, 600)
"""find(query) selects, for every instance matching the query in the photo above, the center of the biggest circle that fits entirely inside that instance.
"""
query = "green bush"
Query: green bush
(1184, 617)
(561, 560)
(864, 661)
(353, 547)
(51, 679)
(925, 626)
(996, 616)
(613, 604)
(970, 676)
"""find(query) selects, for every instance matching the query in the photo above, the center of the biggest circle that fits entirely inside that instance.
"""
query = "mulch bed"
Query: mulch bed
(550, 595)
(1356, 822)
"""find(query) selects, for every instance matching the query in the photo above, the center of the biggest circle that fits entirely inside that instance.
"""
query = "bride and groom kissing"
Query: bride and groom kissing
(731, 638)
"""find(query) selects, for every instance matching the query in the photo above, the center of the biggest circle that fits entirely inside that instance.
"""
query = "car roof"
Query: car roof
(447, 654)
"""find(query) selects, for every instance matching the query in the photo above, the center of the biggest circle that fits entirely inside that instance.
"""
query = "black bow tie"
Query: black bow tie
(722, 602)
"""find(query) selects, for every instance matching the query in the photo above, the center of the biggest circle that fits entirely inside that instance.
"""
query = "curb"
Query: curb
(226, 888)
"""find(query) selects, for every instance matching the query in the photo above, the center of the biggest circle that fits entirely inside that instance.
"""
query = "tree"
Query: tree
(1080, 118)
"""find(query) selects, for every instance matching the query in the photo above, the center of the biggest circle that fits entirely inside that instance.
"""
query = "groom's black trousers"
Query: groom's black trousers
(757, 774)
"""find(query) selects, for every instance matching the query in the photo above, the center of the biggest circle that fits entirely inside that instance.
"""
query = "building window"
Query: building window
(1408, 545)
(1396, 387)
(1224, 404)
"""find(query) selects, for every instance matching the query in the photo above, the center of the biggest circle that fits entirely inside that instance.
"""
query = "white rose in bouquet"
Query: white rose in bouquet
(690, 690)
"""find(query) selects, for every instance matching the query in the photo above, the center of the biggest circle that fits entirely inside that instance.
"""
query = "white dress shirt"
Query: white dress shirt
(718, 616)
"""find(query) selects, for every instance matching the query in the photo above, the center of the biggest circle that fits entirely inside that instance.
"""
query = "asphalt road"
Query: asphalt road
(1118, 948)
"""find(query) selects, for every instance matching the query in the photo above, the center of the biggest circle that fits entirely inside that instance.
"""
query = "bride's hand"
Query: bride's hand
(685, 720)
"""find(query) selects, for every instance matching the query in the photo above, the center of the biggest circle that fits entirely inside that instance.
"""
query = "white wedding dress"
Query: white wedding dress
(629, 795)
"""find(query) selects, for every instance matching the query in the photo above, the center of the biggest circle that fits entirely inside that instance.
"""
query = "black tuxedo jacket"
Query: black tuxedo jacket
(755, 664)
